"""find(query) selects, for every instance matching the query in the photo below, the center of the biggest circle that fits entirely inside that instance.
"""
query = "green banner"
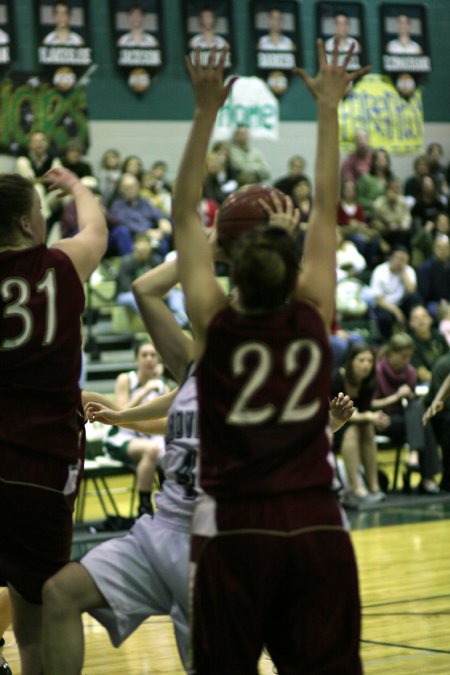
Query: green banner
(28, 104)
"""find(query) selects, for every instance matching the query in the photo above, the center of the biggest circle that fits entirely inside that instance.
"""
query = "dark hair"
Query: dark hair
(265, 265)
(341, 13)
(129, 158)
(398, 249)
(140, 343)
(355, 349)
(16, 200)
(380, 151)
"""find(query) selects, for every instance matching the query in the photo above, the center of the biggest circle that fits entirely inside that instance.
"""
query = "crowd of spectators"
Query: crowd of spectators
(393, 261)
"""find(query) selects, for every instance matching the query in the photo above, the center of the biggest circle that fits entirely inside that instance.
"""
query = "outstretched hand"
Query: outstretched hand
(96, 412)
(208, 80)
(282, 213)
(332, 82)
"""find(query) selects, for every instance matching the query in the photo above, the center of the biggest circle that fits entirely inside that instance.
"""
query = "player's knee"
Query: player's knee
(59, 597)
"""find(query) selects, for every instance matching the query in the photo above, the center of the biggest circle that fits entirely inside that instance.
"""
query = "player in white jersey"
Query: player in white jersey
(124, 581)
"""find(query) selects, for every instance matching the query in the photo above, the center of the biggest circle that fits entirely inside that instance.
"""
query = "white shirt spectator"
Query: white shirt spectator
(389, 285)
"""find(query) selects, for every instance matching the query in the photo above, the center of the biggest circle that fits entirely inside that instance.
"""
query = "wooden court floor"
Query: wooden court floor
(405, 588)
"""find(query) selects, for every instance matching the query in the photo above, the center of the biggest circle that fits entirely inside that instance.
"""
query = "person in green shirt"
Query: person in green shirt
(429, 343)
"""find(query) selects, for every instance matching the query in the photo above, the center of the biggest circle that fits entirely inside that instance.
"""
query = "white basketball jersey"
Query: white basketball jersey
(180, 492)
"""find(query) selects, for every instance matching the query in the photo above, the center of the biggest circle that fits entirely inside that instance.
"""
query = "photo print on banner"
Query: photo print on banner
(404, 44)
(344, 22)
(64, 43)
(6, 36)
(277, 44)
(138, 40)
(208, 25)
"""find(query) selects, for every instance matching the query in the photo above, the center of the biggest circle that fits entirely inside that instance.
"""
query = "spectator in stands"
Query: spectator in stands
(132, 389)
(71, 159)
(139, 215)
(301, 196)
(217, 185)
(374, 184)
(296, 168)
(134, 166)
(248, 163)
(394, 288)
(359, 161)
(353, 224)
(394, 394)
(153, 190)
(435, 154)
(423, 241)
(223, 149)
(109, 174)
(438, 401)
(433, 276)
(428, 204)
(159, 171)
(34, 164)
(412, 183)
(142, 259)
(356, 441)
(429, 343)
(120, 241)
(391, 216)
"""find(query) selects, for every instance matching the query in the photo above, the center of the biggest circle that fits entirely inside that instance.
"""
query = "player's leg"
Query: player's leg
(144, 452)
(317, 627)
(227, 634)
(66, 596)
(27, 626)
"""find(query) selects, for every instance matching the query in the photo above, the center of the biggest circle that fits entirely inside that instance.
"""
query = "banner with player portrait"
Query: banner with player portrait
(208, 25)
(27, 104)
(343, 22)
(404, 45)
(6, 36)
(138, 38)
(276, 42)
(64, 43)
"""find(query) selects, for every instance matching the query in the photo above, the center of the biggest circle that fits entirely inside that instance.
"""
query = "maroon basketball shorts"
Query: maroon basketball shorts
(260, 583)
(37, 494)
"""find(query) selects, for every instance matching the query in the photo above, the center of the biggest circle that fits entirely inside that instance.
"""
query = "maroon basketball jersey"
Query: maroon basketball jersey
(41, 302)
(264, 383)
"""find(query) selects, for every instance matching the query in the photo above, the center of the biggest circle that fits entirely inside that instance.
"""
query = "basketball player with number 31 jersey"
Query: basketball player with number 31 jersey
(41, 418)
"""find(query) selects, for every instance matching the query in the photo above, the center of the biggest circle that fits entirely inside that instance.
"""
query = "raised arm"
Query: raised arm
(328, 88)
(87, 248)
(149, 418)
(175, 348)
(204, 296)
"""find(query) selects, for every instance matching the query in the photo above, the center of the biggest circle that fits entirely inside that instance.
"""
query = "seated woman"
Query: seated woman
(356, 441)
(132, 389)
(394, 394)
(352, 222)
(374, 184)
